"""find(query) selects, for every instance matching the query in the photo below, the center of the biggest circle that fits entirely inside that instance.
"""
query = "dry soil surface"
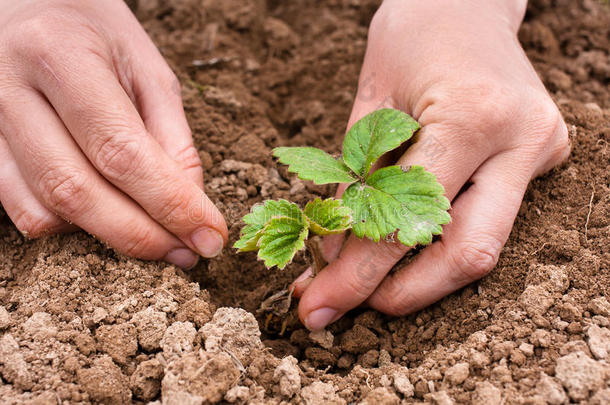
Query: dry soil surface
(80, 323)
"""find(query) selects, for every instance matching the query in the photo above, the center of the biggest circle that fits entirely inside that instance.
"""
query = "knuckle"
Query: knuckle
(65, 191)
(362, 281)
(359, 287)
(171, 82)
(392, 299)
(174, 210)
(392, 250)
(485, 108)
(562, 146)
(49, 52)
(563, 138)
(474, 260)
(546, 121)
(10, 94)
(496, 107)
(140, 242)
(36, 35)
(395, 307)
(548, 139)
(188, 158)
(118, 159)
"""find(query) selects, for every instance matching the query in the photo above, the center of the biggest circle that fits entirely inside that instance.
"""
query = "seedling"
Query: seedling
(394, 202)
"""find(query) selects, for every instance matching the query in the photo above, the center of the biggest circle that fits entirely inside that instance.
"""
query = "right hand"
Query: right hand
(488, 127)
(93, 133)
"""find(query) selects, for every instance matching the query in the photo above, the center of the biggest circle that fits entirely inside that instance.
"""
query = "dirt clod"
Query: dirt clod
(145, 382)
(288, 377)
(600, 306)
(579, 374)
(487, 393)
(5, 318)
(321, 393)
(178, 338)
(104, 382)
(202, 377)
(359, 339)
(323, 337)
(403, 384)
(380, 395)
(441, 398)
(458, 373)
(118, 341)
(233, 330)
(551, 391)
(150, 325)
(599, 341)
(14, 369)
(40, 326)
(238, 393)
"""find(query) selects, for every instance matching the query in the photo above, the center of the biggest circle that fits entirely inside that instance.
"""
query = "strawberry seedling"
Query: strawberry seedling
(394, 202)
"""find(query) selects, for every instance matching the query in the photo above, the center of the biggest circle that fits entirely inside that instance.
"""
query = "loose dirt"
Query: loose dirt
(80, 323)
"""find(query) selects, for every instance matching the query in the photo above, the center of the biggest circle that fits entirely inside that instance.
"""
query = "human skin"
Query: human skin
(93, 133)
(488, 128)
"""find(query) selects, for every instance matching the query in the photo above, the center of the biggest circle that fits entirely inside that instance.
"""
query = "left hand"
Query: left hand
(487, 121)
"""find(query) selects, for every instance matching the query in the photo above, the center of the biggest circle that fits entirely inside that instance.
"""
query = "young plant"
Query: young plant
(407, 202)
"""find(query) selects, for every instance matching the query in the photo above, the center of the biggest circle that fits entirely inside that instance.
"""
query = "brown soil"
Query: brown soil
(79, 323)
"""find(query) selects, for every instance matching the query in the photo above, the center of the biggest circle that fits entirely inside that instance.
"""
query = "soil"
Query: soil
(80, 323)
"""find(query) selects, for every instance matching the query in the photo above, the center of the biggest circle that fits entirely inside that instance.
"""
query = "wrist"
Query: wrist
(507, 13)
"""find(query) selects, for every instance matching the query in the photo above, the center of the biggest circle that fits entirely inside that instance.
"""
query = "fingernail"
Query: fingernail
(318, 319)
(184, 258)
(304, 276)
(208, 242)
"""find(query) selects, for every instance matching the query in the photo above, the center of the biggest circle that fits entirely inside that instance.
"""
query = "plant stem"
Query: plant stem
(315, 250)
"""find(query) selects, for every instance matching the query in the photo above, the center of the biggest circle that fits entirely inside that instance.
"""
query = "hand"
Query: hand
(93, 133)
(487, 123)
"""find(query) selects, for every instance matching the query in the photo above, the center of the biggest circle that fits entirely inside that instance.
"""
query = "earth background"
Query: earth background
(80, 323)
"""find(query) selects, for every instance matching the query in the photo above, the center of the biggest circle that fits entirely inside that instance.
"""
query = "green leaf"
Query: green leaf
(281, 239)
(315, 165)
(392, 199)
(377, 133)
(328, 217)
(259, 216)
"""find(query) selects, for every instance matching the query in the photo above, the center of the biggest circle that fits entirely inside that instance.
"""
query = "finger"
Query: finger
(106, 125)
(62, 178)
(157, 91)
(30, 217)
(482, 219)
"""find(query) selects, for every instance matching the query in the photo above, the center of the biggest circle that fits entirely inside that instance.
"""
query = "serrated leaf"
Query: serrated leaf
(281, 239)
(314, 164)
(328, 217)
(259, 216)
(377, 133)
(410, 202)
